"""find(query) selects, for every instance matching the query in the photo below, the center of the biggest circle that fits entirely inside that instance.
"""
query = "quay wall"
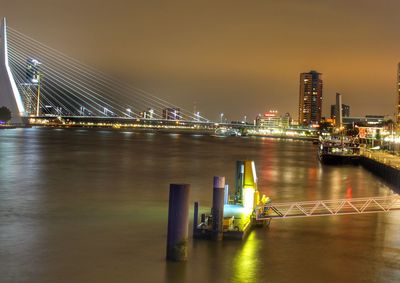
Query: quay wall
(388, 173)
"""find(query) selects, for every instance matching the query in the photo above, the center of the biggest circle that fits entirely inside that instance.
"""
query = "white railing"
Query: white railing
(328, 207)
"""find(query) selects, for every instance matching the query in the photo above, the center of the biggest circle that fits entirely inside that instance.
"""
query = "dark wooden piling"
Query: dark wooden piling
(195, 217)
(217, 210)
(178, 222)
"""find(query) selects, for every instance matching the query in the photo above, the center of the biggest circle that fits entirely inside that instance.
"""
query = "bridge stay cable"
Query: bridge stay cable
(61, 84)
(66, 62)
(56, 81)
(97, 72)
(73, 86)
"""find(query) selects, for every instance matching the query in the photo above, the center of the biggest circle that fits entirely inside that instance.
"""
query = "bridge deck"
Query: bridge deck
(328, 207)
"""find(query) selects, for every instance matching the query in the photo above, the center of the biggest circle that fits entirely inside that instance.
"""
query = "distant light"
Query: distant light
(35, 62)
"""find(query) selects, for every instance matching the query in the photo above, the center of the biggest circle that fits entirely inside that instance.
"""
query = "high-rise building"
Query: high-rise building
(345, 111)
(398, 94)
(310, 98)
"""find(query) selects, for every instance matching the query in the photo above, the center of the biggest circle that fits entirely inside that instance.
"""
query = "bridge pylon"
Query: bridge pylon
(10, 96)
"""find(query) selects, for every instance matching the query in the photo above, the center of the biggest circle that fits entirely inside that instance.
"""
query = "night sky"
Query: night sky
(236, 57)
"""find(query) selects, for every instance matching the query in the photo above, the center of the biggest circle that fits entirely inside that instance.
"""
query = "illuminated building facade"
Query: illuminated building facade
(172, 113)
(271, 119)
(310, 98)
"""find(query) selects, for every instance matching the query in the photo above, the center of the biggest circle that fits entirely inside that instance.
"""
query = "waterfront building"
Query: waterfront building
(310, 98)
(271, 119)
(172, 113)
(368, 120)
(345, 111)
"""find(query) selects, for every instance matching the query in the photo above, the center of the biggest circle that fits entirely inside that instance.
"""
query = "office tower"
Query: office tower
(345, 111)
(310, 98)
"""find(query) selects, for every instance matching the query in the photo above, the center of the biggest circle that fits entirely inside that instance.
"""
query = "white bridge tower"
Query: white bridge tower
(9, 95)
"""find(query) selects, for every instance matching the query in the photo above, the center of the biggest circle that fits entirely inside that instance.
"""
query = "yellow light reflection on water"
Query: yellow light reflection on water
(246, 262)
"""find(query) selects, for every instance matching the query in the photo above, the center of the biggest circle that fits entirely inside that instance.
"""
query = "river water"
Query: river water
(85, 205)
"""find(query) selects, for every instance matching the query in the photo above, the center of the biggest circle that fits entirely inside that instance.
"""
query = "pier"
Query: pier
(235, 216)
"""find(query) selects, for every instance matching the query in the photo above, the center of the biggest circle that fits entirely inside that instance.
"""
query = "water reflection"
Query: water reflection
(92, 207)
(246, 263)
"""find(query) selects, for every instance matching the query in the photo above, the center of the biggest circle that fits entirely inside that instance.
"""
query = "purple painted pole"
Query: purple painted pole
(178, 222)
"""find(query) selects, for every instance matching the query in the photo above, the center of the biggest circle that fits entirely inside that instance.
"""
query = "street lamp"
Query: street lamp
(222, 115)
(38, 81)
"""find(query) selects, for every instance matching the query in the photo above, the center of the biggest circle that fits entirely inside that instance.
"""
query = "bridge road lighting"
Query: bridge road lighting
(151, 113)
(34, 77)
(39, 78)
(222, 116)
(82, 111)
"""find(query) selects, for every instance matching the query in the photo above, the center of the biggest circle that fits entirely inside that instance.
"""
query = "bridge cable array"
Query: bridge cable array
(68, 87)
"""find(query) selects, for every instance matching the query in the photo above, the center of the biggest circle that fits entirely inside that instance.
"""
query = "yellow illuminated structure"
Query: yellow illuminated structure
(249, 189)
(238, 212)
(246, 196)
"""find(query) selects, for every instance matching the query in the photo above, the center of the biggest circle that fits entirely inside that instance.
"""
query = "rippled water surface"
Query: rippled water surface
(84, 205)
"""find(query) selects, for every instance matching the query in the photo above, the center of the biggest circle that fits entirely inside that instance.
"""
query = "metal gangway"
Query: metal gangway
(328, 207)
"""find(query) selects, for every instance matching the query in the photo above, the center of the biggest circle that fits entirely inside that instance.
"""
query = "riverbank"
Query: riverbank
(178, 129)
(5, 127)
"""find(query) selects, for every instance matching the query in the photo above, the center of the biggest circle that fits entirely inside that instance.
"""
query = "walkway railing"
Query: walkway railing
(328, 207)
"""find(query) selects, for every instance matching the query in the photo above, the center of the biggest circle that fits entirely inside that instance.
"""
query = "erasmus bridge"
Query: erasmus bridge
(38, 82)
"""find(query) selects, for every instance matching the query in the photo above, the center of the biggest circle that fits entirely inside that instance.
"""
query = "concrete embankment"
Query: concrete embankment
(383, 165)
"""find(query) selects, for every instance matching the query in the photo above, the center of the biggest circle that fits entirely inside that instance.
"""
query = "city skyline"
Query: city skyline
(236, 59)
